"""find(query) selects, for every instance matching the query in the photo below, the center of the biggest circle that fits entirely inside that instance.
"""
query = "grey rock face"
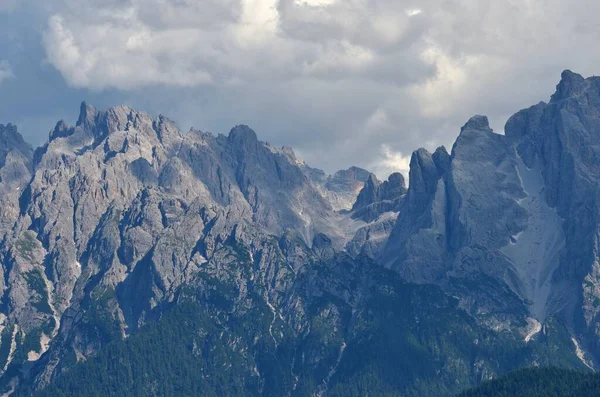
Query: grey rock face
(370, 239)
(377, 204)
(561, 138)
(119, 214)
(339, 189)
(124, 209)
(516, 209)
(15, 172)
(369, 193)
(12, 141)
(420, 229)
(461, 221)
(377, 198)
(15, 163)
(16, 158)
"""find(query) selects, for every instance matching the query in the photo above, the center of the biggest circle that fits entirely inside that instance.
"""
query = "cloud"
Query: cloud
(134, 43)
(131, 55)
(5, 71)
(390, 162)
(347, 82)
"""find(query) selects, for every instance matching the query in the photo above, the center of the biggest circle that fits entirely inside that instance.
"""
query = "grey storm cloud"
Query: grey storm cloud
(345, 82)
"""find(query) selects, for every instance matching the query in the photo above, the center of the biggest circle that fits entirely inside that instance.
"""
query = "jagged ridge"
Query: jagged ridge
(120, 215)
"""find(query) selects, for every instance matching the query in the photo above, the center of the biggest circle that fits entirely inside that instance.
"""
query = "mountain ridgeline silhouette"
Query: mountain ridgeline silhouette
(141, 260)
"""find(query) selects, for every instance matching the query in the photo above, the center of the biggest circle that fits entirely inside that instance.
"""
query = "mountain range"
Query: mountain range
(141, 260)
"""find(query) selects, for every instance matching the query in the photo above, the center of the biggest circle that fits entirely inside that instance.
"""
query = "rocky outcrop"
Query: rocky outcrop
(377, 204)
(121, 217)
(339, 189)
(419, 229)
(560, 139)
(126, 209)
(516, 209)
(377, 198)
(16, 158)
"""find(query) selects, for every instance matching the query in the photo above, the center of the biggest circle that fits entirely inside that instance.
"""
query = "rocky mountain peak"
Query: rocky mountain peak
(442, 159)
(87, 115)
(15, 172)
(423, 176)
(353, 173)
(476, 123)
(167, 131)
(516, 208)
(340, 189)
(570, 84)
(478, 141)
(289, 152)
(242, 136)
(100, 124)
(8, 131)
(61, 130)
(11, 140)
(395, 186)
(123, 217)
(377, 198)
(368, 194)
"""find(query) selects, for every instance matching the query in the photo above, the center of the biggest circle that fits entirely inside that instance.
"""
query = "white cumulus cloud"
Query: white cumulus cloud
(134, 43)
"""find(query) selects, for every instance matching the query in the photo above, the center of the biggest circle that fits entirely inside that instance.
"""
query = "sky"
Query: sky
(343, 82)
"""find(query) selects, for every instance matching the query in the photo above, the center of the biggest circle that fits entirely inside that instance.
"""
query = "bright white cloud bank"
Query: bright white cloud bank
(135, 43)
(369, 80)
